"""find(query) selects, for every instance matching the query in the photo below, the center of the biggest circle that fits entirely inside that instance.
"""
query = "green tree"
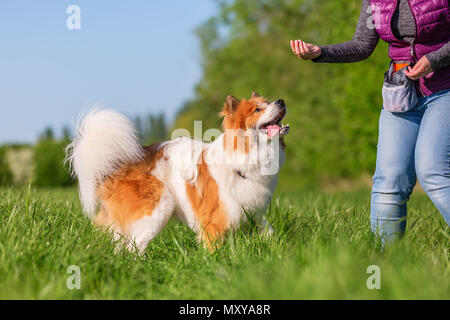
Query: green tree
(6, 177)
(49, 168)
(47, 134)
(332, 108)
(66, 134)
(139, 129)
(154, 130)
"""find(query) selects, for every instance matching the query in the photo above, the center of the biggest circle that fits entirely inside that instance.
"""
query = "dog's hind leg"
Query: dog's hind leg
(103, 221)
(143, 230)
(135, 205)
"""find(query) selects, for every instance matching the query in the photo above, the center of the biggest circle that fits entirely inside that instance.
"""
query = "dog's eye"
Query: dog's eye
(258, 109)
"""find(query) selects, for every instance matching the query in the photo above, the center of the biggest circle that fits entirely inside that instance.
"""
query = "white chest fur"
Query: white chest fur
(246, 186)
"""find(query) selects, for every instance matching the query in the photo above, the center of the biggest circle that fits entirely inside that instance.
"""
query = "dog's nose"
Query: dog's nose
(280, 102)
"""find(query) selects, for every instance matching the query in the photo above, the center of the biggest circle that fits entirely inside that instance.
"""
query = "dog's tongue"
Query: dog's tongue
(273, 130)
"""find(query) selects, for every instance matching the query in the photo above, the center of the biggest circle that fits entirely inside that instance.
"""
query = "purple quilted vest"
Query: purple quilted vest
(432, 19)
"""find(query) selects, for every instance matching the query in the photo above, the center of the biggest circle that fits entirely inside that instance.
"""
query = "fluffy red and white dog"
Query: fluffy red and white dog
(134, 190)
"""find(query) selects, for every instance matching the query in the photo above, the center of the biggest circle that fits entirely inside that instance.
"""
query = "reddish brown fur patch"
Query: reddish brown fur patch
(209, 209)
(244, 117)
(131, 193)
(236, 122)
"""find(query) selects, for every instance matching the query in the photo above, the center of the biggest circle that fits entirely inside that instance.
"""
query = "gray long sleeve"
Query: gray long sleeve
(366, 38)
(359, 48)
(440, 58)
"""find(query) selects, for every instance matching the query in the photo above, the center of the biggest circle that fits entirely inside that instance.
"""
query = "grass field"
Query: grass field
(321, 249)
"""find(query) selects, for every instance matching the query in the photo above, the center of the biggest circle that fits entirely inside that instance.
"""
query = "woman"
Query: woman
(416, 143)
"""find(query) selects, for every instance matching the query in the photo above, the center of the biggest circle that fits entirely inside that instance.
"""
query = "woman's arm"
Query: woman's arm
(359, 48)
(431, 62)
(440, 58)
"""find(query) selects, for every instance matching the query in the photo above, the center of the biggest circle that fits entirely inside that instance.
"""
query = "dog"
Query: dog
(133, 190)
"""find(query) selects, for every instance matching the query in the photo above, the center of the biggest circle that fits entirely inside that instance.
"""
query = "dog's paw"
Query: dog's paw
(266, 228)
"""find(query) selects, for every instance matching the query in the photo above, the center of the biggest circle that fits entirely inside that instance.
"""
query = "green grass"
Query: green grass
(321, 249)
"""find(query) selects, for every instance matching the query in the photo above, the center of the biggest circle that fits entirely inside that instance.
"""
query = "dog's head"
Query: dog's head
(255, 114)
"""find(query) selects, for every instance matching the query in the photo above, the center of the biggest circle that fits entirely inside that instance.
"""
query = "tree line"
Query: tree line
(46, 167)
(332, 108)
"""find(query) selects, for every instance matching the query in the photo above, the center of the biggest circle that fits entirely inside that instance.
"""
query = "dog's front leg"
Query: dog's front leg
(211, 236)
(266, 227)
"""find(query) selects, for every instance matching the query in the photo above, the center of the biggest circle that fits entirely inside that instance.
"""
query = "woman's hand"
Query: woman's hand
(420, 69)
(305, 51)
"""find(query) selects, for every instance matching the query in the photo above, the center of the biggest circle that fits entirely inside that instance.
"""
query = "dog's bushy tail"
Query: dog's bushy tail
(105, 140)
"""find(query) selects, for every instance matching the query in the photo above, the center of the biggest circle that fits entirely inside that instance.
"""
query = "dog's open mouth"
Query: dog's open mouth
(274, 127)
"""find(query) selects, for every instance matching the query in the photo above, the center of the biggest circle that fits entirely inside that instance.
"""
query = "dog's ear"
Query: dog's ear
(255, 95)
(231, 104)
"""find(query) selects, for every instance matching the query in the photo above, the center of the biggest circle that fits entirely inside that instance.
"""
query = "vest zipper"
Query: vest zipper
(413, 50)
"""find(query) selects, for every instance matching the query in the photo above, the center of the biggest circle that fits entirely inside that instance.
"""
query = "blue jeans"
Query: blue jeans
(411, 145)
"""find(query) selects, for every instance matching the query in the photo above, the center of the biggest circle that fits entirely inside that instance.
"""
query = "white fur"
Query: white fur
(182, 154)
(179, 165)
(270, 112)
(148, 227)
(104, 140)
(251, 193)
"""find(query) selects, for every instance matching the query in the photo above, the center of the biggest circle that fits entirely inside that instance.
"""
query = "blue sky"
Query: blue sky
(135, 56)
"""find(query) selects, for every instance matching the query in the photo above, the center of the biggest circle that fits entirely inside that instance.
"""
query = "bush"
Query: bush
(49, 168)
(333, 109)
(6, 177)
